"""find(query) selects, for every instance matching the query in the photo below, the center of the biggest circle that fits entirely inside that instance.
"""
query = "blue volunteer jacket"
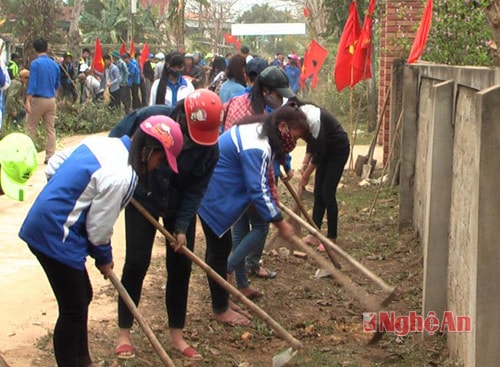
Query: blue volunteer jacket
(74, 214)
(240, 178)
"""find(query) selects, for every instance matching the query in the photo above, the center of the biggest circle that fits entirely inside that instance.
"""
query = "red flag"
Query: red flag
(97, 61)
(422, 33)
(314, 58)
(229, 38)
(362, 58)
(132, 48)
(123, 49)
(144, 55)
(237, 44)
(347, 42)
(306, 12)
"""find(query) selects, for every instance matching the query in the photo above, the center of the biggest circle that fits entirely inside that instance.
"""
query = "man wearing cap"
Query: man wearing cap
(122, 81)
(18, 162)
(68, 89)
(45, 78)
(90, 87)
(160, 64)
(14, 98)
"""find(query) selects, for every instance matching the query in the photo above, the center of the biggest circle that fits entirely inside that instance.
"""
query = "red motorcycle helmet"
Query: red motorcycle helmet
(204, 113)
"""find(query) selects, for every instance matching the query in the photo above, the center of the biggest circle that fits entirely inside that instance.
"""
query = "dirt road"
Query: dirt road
(28, 308)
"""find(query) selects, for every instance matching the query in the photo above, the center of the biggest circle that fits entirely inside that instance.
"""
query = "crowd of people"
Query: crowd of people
(187, 146)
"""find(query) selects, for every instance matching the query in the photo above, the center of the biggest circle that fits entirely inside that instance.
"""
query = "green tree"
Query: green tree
(34, 19)
(109, 24)
(459, 34)
(268, 45)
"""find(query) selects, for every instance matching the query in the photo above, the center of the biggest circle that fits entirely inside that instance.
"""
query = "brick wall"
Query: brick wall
(399, 20)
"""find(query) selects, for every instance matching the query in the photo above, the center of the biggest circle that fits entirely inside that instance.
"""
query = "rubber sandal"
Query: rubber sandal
(237, 320)
(265, 273)
(192, 354)
(124, 348)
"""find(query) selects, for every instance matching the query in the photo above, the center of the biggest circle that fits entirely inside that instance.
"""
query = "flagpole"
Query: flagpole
(351, 102)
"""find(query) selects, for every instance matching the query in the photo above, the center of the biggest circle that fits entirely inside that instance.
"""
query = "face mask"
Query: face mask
(174, 73)
(288, 141)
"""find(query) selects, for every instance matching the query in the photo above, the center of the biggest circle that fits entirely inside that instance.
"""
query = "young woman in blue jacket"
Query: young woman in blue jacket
(241, 178)
(200, 115)
(74, 214)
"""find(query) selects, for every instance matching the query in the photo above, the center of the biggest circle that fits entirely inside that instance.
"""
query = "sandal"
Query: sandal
(191, 354)
(263, 273)
(237, 319)
(125, 351)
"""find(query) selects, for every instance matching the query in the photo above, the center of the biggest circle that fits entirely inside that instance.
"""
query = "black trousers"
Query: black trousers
(125, 98)
(136, 101)
(216, 255)
(328, 174)
(73, 293)
(115, 100)
(140, 235)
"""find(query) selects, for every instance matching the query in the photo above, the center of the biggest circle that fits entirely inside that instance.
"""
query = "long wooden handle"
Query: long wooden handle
(379, 124)
(280, 331)
(302, 208)
(369, 274)
(140, 320)
(355, 290)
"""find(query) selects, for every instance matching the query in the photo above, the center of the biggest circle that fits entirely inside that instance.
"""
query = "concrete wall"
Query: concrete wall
(448, 184)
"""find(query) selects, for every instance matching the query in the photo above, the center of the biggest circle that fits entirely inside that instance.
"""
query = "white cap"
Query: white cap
(83, 68)
(160, 56)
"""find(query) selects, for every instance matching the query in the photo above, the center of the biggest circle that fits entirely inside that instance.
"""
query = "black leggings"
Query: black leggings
(140, 235)
(216, 255)
(328, 174)
(73, 293)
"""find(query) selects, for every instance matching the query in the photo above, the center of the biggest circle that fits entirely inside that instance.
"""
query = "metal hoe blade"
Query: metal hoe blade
(281, 359)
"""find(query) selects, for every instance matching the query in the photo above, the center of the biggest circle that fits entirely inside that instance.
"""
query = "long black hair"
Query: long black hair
(162, 84)
(291, 115)
(258, 101)
(140, 142)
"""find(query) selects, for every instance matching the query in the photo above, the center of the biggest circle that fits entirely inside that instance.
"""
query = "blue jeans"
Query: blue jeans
(249, 237)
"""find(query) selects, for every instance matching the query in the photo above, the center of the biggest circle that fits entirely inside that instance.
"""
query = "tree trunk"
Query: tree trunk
(74, 38)
(493, 15)
(316, 17)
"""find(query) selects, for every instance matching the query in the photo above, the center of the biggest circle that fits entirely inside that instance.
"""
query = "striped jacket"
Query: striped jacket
(74, 214)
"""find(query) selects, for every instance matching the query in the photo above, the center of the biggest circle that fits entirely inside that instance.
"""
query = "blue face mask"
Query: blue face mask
(174, 73)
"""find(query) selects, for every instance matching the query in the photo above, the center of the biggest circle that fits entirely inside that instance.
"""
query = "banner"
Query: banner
(362, 58)
(314, 58)
(348, 40)
(422, 34)
(97, 61)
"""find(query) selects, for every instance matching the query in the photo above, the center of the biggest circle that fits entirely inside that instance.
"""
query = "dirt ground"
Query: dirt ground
(322, 315)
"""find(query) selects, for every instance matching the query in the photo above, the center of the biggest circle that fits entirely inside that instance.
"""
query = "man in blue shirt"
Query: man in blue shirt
(45, 77)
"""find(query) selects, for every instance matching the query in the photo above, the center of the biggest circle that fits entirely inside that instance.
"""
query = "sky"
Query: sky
(244, 5)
